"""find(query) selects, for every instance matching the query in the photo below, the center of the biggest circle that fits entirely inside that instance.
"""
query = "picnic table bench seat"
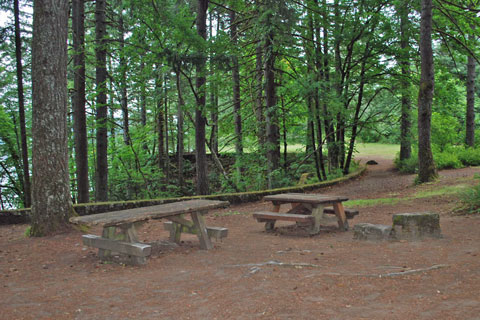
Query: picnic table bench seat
(306, 209)
(119, 235)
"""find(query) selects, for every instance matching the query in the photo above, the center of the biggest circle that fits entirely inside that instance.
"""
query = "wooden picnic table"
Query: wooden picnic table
(305, 208)
(120, 227)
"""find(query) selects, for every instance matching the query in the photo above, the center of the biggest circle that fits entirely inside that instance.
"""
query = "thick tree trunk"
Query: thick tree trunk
(51, 201)
(180, 149)
(166, 121)
(405, 122)
(470, 117)
(101, 176)
(79, 115)
(200, 120)
(160, 124)
(426, 166)
(123, 82)
(259, 112)
(236, 95)
(143, 98)
(271, 119)
(27, 193)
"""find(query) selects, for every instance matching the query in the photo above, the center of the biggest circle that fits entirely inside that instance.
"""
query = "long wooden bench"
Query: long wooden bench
(266, 216)
(119, 235)
(271, 217)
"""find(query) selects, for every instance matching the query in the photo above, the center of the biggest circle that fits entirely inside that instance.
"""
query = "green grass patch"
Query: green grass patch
(448, 190)
(444, 191)
(387, 151)
(372, 202)
(230, 213)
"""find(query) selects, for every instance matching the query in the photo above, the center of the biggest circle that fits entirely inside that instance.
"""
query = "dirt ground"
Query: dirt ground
(257, 275)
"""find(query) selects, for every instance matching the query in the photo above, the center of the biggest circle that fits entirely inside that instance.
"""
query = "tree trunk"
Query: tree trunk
(160, 124)
(123, 81)
(51, 202)
(470, 117)
(180, 149)
(426, 166)
(236, 96)
(271, 119)
(79, 115)
(200, 120)
(259, 112)
(404, 57)
(101, 177)
(27, 196)
(143, 99)
(165, 116)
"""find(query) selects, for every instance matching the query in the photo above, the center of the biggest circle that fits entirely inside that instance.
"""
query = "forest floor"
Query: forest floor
(257, 275)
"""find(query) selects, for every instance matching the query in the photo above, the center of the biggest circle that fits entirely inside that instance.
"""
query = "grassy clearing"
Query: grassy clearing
(444, 191)
(387, 151)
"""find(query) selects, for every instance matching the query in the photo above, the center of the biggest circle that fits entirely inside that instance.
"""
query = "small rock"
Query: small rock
(372, 162)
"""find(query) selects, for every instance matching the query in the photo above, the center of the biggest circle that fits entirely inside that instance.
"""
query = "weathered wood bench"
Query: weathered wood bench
(265, 216)
(306, 209)
(120, 237)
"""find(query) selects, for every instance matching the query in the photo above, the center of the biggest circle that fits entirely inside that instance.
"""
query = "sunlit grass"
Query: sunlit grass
(444, 191)
(387, 151)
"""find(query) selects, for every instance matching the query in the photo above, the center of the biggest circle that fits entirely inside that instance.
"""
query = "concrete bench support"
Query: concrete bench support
(216, 233)
(369, 231)
(414, 226)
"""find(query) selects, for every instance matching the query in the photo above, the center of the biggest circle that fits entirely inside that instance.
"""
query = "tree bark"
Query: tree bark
(79, 115)
(180, 138)
(470, 116)
(123, 81)
(101, 176)
(236, 95)
(259, 112)
(271, 119)
(200, 120)
(160, 123)
(426, 166)
(51, 201)
(404, 57)
(27, 196)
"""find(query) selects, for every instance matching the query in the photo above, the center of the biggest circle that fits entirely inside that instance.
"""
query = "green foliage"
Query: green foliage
(447, 160)
(469, 156)
(470, 199)
(409, 165)
(444, 130)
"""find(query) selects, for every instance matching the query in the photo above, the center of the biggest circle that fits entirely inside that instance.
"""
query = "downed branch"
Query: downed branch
(394, 274)
(276, 263)
(255, 267)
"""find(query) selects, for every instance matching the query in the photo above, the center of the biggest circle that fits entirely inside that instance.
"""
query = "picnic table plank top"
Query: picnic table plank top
(305, 198)
(114, 218)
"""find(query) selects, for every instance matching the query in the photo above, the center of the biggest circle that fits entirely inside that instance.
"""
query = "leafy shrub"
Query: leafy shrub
(444, 130)
(469, 156)
(470, 199)
(407, 166)
(447, 160)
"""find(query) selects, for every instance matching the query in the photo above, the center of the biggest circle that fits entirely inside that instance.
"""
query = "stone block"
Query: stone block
(415, 226)
(369, 231)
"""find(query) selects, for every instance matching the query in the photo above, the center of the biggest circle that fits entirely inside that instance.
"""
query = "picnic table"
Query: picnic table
(307, 209)
(119, 236)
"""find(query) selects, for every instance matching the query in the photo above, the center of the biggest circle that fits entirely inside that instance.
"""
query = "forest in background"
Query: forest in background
(172, 97)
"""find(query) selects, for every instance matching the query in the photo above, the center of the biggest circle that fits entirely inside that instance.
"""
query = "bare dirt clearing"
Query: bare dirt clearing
(253, 274)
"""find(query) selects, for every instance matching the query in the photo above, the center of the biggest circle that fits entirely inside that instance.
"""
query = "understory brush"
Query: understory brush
(452, 157)
(470, 199)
